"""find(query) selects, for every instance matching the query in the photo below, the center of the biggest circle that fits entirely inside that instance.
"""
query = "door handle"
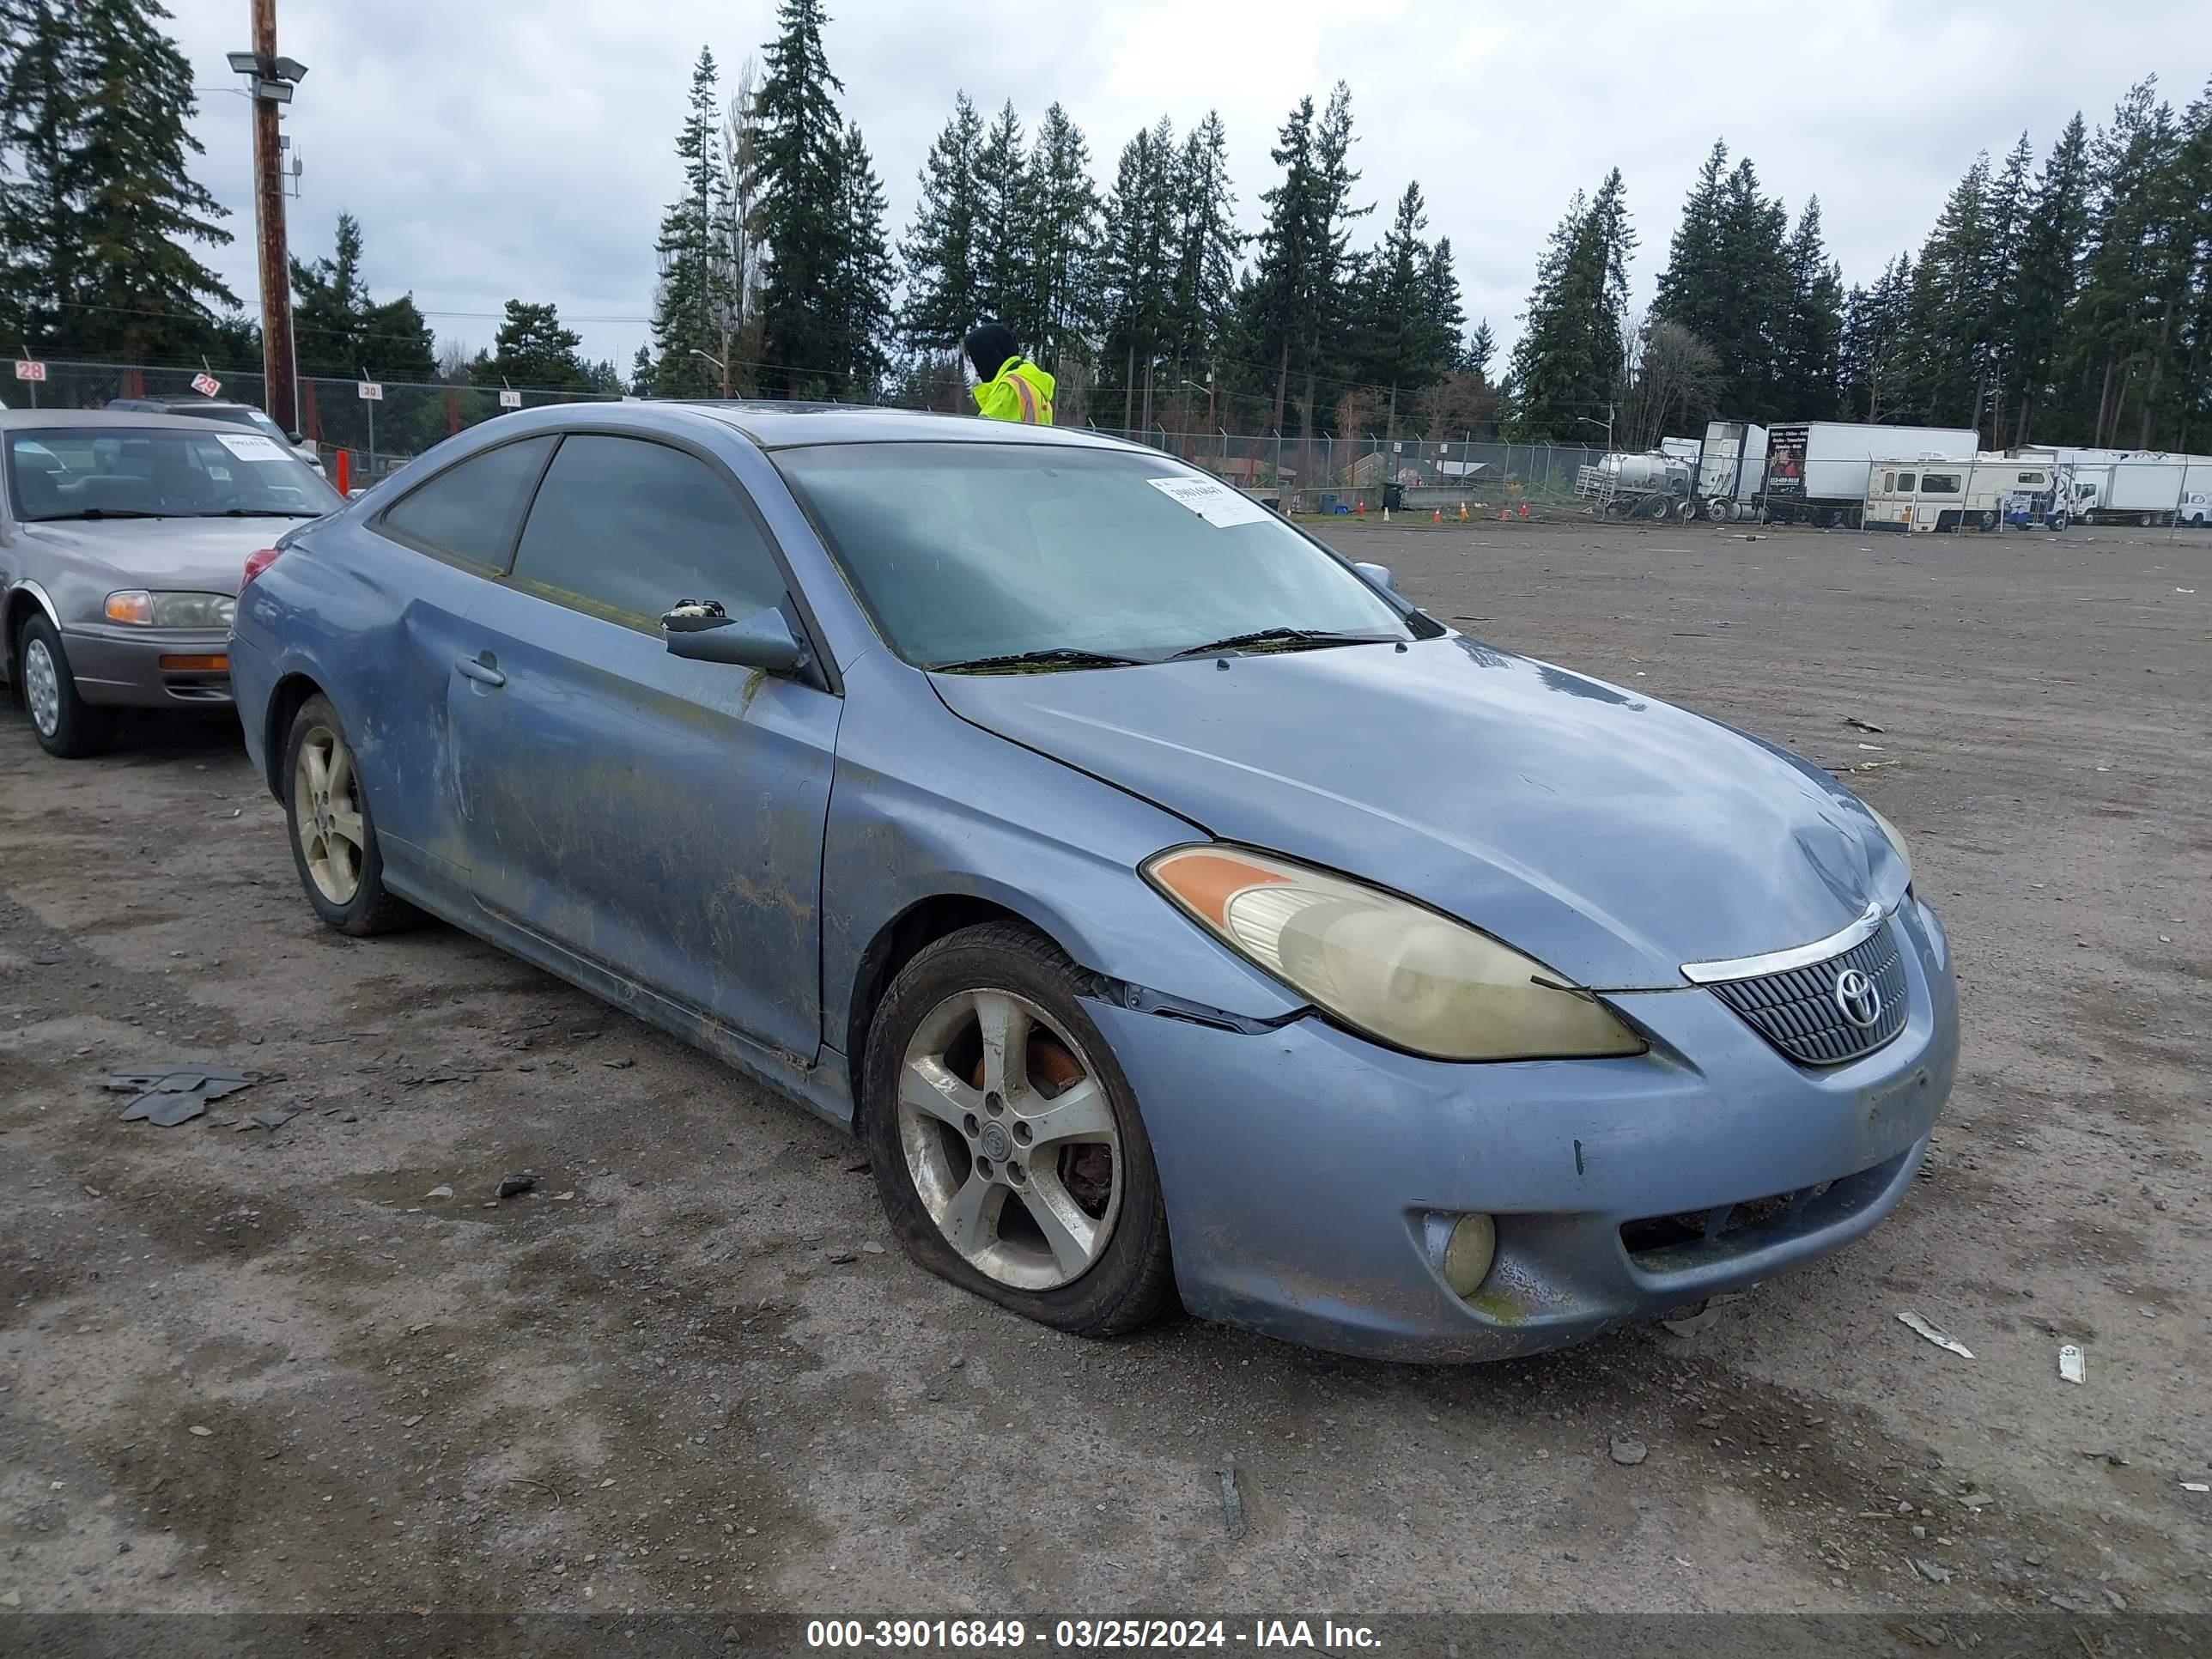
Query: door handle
(481, 671)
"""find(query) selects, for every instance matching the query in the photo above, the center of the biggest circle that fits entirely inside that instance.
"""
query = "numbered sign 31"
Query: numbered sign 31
(510, 398)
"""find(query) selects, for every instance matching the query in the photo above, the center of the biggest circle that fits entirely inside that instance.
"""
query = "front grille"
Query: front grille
(1797, 1010)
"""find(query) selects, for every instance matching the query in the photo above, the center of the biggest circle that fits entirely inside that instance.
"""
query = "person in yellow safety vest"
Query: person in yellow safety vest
(1008, 386)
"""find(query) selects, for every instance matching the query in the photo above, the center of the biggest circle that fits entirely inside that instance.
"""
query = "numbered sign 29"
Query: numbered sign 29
(206, 384)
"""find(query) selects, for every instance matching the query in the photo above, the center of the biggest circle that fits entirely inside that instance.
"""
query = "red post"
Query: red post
(343, 470)
(134, 382)
(310, 422)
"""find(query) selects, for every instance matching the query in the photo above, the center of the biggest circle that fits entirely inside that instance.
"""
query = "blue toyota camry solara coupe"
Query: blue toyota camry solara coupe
(1174, 911)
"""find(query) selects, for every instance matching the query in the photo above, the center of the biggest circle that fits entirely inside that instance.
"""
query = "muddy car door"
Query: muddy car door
(662, 818)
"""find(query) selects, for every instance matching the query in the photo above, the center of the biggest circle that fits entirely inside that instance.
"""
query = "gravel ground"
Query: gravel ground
(254, 1368)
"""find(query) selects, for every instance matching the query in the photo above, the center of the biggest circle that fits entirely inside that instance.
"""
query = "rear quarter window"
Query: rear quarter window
(468, 513)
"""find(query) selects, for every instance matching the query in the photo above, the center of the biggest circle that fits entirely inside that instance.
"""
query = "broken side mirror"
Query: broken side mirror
(1380, 575)
(703, 633)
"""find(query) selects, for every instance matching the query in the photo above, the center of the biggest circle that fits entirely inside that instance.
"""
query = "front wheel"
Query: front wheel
(333, 834)
(1008, 1150)
(66, 725)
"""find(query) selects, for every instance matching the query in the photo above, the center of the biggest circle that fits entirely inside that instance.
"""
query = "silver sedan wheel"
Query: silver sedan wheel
(42, 689)
(327, 815)
(1009, 1139)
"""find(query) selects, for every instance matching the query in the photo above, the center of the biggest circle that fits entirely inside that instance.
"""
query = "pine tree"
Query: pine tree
(1002, 253)
(1277, 291)
(1135, 273)
(694, 304)
(532, 350)
(1203, 287)
(1567, 365)
(1872, 358)
(802, 139)
(1481, 347)
(1807, 379)
(864, 275)
(1728, 279)
(2191, 403)
(339, 330)
(141, 293)
(43, 87)
(940, 252)
(1998, 372)
(1443, 314)
(641, 374)
(2116, 320)
(1949, 330)
(1060, 219)
(2046, 270)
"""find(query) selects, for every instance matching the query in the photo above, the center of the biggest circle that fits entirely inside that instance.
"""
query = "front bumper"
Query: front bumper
(1302, 1167)
(121, 665)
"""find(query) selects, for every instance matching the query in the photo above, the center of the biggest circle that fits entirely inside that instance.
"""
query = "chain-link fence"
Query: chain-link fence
(1340, 475)
(379, 433)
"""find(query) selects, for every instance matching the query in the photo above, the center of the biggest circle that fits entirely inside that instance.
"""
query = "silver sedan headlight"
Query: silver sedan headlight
(1383, 965)
(145, 610)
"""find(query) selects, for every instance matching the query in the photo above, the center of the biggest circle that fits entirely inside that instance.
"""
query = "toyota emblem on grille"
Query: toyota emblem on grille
(1859, 996)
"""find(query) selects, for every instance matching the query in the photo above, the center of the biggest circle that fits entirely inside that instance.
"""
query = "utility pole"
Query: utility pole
(270, 79)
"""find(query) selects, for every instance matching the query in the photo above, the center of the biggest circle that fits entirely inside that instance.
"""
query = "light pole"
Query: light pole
(269, 81)
(1592, 420)
(721, 363)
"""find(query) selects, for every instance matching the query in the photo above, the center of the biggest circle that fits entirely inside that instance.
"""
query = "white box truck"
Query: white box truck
(2142, 490)
(1816, 470)
(1731, 466)
(2197, 493)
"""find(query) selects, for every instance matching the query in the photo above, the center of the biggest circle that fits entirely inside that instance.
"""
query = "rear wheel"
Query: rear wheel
(1006, 1144)
(65, 724)
(333, 834)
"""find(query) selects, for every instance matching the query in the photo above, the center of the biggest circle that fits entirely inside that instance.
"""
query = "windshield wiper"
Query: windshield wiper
(1058, 657)
(261, 513)
(1290, 638)
(99, 513)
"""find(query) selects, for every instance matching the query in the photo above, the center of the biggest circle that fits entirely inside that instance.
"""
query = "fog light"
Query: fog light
(1468, 1253)
(196, 665)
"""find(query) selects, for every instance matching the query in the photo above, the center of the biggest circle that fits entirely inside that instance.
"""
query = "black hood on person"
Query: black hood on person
(988, 346)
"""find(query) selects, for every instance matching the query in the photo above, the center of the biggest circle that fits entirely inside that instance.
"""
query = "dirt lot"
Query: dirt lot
(245, 1369)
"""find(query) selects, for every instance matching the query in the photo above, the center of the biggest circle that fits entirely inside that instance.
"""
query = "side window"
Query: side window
(1939, 483)
(468, 512)
(2032, 477)
(1889, 484)
(1905, 482)
(633, 527)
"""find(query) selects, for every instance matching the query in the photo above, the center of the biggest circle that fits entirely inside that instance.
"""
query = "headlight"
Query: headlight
(1385, 966)
(144, 610)
(1896, 841)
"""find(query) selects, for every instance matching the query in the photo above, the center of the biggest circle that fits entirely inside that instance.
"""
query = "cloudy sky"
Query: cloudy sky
(500, 148)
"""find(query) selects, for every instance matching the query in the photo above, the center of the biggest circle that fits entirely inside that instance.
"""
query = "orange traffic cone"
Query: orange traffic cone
(1524, 509)
(1463, 512)
(1436, 515)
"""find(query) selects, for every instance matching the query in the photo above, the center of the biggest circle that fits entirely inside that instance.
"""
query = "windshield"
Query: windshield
(153, 472)
(967, 552)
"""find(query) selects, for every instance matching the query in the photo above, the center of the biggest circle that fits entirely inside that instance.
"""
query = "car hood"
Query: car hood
(183, 556)
(1609, 835)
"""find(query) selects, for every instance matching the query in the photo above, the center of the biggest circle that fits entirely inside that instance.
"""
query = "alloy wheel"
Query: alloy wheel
(327, 815)
(42, 687)
(1010, 1139)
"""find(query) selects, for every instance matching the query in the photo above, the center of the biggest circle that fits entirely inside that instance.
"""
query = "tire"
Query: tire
(1105, 1275)
(334, 846)
(1716, 511)
(2143, 520)
(66, 725)
(1662, 508)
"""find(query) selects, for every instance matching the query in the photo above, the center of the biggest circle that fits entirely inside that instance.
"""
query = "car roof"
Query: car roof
(16, 420)
(193, 402)
(789, 425)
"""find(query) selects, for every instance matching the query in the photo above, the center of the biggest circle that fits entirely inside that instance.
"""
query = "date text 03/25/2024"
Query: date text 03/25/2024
(1086, 1635)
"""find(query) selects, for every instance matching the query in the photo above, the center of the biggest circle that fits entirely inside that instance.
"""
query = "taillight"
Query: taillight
(258, 563)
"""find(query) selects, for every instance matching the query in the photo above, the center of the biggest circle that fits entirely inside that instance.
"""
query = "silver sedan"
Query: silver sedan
(123, 541)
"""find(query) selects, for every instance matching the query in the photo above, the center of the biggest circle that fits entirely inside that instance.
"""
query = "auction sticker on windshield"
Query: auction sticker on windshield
(249, 446)
(1212, 500)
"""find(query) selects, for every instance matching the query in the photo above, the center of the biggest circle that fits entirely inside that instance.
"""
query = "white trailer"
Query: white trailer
(2197, 493)
(1913, 495)
(1817, 470)
(1731, 467)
